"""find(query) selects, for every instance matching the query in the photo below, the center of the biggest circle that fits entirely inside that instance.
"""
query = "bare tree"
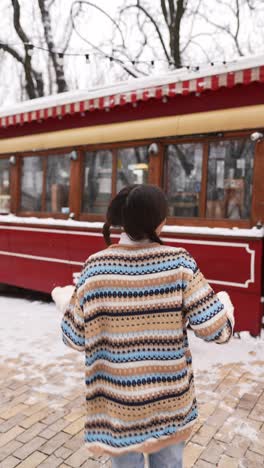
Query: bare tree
(76, 10)
(233, 23)
(35, 79)
(163, 35)
(173, 12)
(234, 9)
(162, 28)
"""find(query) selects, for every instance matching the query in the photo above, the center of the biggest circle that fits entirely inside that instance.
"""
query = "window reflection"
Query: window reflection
(5, 196)
(58, 183)
(132, 166)
(229, 183)
(31, 183)
(97, 181)
(183, 175)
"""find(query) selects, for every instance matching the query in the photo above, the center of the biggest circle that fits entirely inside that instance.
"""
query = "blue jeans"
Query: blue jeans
(168, 457)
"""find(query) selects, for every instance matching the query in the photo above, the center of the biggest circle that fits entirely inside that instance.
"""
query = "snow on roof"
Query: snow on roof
(183, 81)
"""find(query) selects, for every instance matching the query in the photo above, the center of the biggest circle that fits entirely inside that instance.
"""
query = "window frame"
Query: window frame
(93, 148)
(201, 199)
(202, 220)
(113, 147)
(156, 176)
(43, 154)
(11, 185)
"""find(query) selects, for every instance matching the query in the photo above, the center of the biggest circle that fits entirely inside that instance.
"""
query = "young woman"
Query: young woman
(129, 313)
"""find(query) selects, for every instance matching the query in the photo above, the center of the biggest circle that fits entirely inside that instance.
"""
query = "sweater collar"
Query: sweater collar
(125, 240)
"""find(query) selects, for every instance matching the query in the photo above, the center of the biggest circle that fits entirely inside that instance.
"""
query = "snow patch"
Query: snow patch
(253, 232)
(243, 428)
(244, 350)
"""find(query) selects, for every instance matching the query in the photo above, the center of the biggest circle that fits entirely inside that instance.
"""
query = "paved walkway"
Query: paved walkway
(41, 425)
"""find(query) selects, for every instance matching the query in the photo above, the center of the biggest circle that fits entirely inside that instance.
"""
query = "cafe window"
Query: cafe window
(31, 183)
(5, 196)
(97, 181)
(45, 183)
(58, 183)
(182, 178)
(229, 179)
(132, 166)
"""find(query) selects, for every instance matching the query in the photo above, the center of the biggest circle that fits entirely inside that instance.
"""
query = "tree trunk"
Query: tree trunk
(173, 15)
(34, 81)
(58, 68)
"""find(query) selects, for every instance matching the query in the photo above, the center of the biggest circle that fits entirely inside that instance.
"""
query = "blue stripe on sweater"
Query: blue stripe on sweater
(135, 270)
(118, 441)
(129, 291)
(70, 333)
(133, 356)
(207, 314)
(116, 379)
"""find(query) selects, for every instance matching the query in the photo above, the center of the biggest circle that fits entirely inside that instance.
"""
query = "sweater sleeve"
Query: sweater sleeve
(72, 324)
(207, 315)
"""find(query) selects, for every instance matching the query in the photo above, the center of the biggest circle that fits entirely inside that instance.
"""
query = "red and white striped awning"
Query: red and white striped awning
(177, 83)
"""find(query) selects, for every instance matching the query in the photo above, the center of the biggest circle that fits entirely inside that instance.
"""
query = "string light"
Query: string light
(29, 46)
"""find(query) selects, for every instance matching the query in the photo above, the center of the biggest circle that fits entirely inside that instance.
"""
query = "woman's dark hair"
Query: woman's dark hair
(114, 214)
(139, 209)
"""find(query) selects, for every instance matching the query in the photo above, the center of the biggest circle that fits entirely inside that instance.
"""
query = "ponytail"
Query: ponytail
(106, 233)
(153, 236)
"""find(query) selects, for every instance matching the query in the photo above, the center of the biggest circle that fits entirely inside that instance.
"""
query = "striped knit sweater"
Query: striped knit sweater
(129, 313)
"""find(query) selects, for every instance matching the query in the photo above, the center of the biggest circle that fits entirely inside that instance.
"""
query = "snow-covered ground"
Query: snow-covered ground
(30, 331)
(30, 339)
(31, 351)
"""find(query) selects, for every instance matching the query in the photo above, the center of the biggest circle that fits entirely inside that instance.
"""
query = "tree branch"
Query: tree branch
(237, 28)
(192, 38)
(155, 26)
(208, 58)
(67, 35)
(12, 52)
(164, 11)
(120, 62)
(172, 10)
(86, 2)
(225, 29)
(194, 13)
(16, 18)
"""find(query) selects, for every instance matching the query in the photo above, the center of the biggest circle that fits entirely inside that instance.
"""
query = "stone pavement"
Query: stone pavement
(42, 427)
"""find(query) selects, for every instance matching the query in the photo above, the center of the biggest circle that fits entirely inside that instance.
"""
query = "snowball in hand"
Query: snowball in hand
(62, 296)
